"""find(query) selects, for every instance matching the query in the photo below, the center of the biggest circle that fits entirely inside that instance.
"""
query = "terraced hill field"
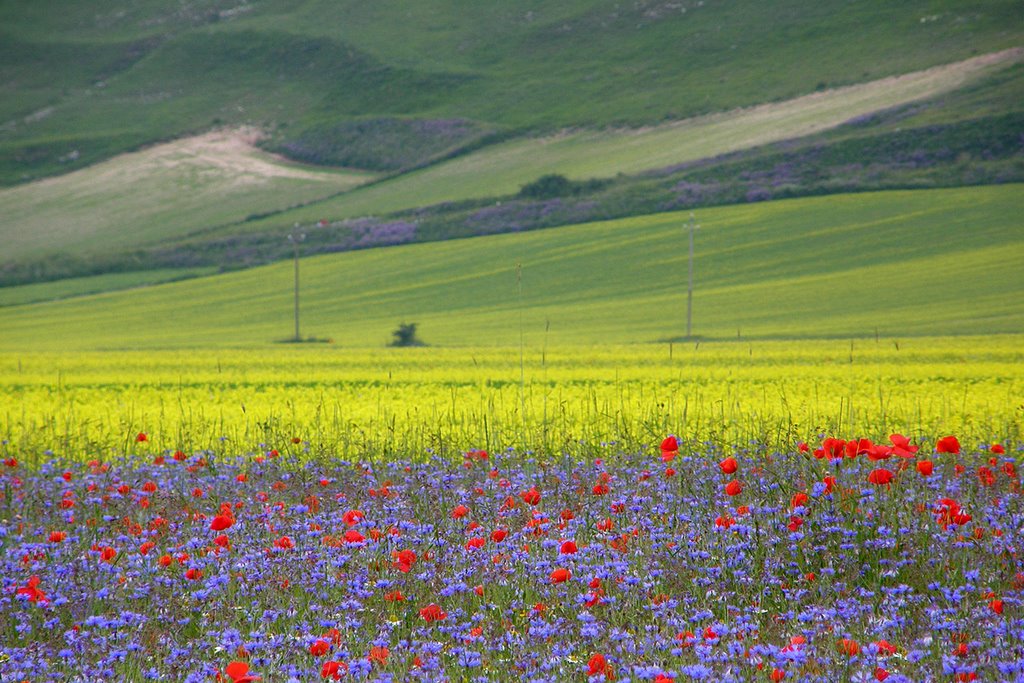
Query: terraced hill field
(900, 263)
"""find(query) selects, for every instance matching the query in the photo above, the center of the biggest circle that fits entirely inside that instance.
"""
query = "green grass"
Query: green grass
(504, 168)
(82, 286)
(108, 76)
(166, 191)
(935, 262)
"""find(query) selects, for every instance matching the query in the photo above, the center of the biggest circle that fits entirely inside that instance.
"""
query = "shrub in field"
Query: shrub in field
(648, 566)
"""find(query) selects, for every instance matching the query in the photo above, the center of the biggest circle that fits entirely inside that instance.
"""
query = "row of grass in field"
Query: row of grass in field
(98, 82)
(897, 263)
(384, 403)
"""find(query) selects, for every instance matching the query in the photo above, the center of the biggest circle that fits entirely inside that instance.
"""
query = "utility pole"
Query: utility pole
(295, 237)
(689, 286)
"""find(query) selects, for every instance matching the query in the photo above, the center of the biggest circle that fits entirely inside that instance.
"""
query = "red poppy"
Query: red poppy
(724, 522)
(222, 541)
(238, 672)
(885, 647)
(31, 590)
(795, 523)
(948, 512)
(901, 446)
(57, 536)
(140, 437)
(403, 560)
(996, 606)
(948, 444)
(669, 449)
(879, 452)
(568, 548)
(319, 648)
(531, 497)
(460, 511)
(733, 488)
(433, 612)
(193, 574)
(848, 647)
(560, 575)
(881, 674)
(475, 543)
(498, 535)
(599, 665)
(799, 498)
(669, 472)
(925, 468)
(880, 477)
(729, 465)
(146, 547)
(778, 675)
(997, 448)
(333, 670)
(352, 517)
(379, 655)
(221, 522)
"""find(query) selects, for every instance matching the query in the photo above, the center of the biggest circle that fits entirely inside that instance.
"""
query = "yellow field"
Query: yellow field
(377, 402)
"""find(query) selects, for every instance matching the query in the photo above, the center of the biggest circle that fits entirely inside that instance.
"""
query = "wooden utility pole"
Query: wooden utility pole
(295, 236)
(689, 286)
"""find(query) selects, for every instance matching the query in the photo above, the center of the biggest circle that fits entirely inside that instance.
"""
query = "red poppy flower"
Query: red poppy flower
(733, 488)
(394, 596)
(222, 541)
(948, 444)
(193, 574)
(379, 655)
(799, 498)
(881, 674)
(146, 547)
(996, 606)
(599, 665)
(997, 448)
(31, 590)
(57, 536)
(498, 535)
(568, 548)
(221, 522)
(729, 465)
(778, 675)
(333, 670)
(460, 511)
(475, 543)
(669, 449)
(319, 648)
(885, 647)
(848, 647)
(352, 517)
(560, 575)
(353, 536)
(403, 560)
(238, 672)
(901, 446)
(433, 612)
(531, 497)
(140, 437)
(880, 477)
(925, 468)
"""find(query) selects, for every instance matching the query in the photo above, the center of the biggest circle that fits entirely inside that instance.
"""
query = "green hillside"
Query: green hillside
(80, 82)
(902, 263)
(218, 184)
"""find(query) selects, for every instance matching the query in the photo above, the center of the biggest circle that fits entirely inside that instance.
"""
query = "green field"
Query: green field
(903, 263)
(163, 192)
(104, 78)
(211, 184)
(82, 286)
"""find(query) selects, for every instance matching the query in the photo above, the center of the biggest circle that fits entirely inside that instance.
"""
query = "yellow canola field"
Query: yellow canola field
(374, 403)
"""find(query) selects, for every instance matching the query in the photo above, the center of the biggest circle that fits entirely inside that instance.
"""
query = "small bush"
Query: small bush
(405, 335)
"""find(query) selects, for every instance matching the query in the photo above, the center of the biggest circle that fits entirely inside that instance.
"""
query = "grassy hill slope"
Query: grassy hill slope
(904, 263)
(80, 82)
(216, 183)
